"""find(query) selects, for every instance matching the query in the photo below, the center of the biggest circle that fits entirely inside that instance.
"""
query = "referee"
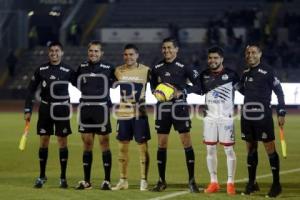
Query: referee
(53, 77)
(173, 71)
(94, 78)
(257, 83)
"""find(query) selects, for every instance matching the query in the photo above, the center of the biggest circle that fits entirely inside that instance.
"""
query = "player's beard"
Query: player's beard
(214, 66)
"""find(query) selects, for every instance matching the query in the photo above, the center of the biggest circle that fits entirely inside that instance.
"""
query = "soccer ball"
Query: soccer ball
(164, 92)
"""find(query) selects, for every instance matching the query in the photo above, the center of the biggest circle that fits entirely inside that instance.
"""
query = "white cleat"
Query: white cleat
(121, 185)
(144, 185)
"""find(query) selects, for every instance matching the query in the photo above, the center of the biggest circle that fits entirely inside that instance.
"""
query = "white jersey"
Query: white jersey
(219, 93)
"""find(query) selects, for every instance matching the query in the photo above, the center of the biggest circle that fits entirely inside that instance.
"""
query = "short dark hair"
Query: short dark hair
(216, 49)
(94, 42)
(55, 43)
(132, 46)
(171, 39)
(255, 44)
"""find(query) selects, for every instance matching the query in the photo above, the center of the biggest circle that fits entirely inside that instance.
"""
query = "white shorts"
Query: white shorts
(218, 130)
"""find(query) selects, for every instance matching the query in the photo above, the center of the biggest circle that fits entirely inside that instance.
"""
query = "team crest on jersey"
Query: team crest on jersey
(44, 84)
(225, 77)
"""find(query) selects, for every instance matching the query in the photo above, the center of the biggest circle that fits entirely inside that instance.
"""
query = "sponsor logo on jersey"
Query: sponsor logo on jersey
(64, 69)
(52, 77)
(44, 68)
(131, 78)
(84, 65)
(159, 65)
(262, 71)
(225, 77)
(215, 94)
(179, 64)
(104, 66)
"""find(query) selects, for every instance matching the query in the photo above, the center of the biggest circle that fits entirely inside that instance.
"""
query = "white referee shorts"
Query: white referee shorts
(218, 130)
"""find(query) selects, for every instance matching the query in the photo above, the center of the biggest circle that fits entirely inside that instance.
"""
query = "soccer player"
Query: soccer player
(94, 81)
(132, 117)
(173, 71)
(218, 84)
(258, 81)
(54, 109)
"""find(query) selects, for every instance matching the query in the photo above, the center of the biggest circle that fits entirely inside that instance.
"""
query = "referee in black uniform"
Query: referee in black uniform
(257, 83)
(94, 78)
(173, 71)
(54, 109)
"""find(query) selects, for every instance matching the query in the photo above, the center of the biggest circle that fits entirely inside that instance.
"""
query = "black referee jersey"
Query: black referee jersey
(50, 77)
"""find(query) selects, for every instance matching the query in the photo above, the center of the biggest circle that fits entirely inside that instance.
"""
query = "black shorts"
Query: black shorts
(258, 129)
(172, 113)
(57, 117)
(135, 127)
(94, 118)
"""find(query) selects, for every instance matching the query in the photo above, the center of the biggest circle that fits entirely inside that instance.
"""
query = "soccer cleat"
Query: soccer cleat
(121, 185)
(40, 182)
(250, 188)
(193, 186)
(160, 186)
(63, 183)
(212, 188)
(83, 185)
(230, 189)
(105, 185)
(144, 185)
(275, 190)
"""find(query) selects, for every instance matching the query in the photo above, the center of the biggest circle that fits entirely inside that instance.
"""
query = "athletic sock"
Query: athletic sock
(161, 163)
(252, 161)
(43, 156)
(231, 163)
(212, 162)
(63, 158)
(106, 158)
(87, 160)
(274, 162)
(144, 160)
(123, 160)
(190, 161)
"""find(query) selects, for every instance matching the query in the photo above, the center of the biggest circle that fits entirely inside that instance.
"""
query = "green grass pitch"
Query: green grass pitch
(18, 170)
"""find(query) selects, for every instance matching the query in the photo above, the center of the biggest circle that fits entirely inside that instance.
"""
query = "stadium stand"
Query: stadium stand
(280, 51)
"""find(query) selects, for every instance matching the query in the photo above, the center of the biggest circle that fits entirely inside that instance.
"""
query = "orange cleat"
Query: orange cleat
(212, 188)
(230, 189)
